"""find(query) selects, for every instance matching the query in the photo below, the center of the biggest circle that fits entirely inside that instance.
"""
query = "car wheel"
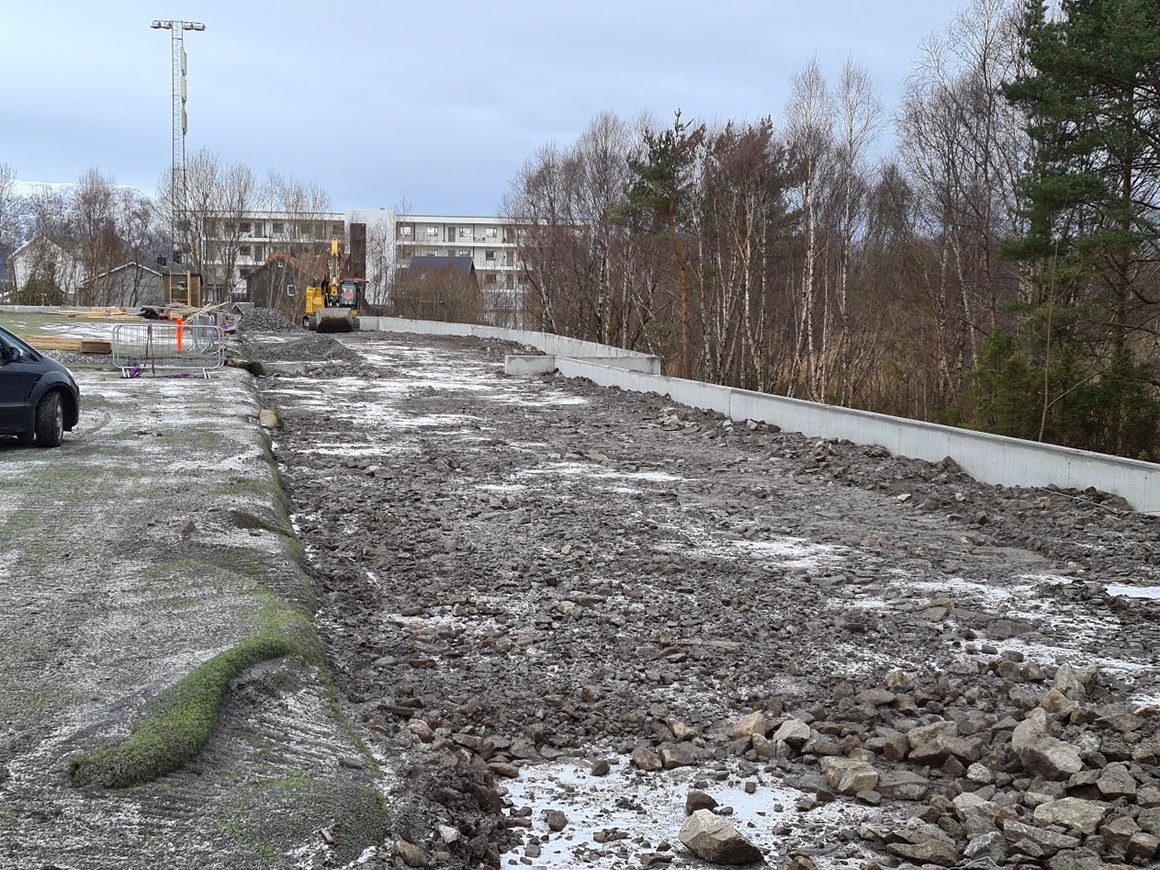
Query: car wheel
(49, 421)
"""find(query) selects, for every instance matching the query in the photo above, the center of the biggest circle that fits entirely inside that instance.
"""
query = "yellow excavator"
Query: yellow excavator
(332, 303)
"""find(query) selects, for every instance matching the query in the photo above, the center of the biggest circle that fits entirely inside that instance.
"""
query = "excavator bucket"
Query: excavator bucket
(335, 320)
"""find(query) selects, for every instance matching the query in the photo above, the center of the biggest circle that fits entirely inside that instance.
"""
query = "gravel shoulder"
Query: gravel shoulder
(154, 539)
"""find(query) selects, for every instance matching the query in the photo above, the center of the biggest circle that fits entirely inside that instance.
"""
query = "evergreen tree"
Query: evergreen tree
(1091, 92)
(661, 193)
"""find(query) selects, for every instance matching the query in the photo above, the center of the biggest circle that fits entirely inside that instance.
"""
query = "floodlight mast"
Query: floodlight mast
(178, 188)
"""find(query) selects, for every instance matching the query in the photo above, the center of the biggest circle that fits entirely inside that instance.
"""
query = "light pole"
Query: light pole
(179, 222)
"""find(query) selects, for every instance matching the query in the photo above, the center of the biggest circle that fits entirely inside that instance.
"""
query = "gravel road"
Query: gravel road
(532, 588)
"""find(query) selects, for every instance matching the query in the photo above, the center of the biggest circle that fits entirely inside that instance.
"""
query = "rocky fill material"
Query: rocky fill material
(511, 572)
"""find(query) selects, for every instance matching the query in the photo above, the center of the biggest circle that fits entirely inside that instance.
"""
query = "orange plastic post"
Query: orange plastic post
(179, 336)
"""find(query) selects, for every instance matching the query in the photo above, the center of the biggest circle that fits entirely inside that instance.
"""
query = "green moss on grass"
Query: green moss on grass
(184, 716)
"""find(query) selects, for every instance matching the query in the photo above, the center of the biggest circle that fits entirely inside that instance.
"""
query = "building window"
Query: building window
(405, 231)
(465, 232)
(434, 252)
(462, 253)
(245, 227)
(246, 251)
(245, 273)
(492, 232)
(279, 228)
(432, 232)
(489, 278)
(489, 255)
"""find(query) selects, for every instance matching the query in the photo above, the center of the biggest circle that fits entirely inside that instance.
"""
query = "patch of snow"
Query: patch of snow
(1149, 592)
(650, 809)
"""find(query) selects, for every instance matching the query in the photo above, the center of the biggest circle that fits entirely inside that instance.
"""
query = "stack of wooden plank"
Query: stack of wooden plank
(76, 345)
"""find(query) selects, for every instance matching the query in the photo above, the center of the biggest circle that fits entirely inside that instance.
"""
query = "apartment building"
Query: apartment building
(492, 244)
(234, 246)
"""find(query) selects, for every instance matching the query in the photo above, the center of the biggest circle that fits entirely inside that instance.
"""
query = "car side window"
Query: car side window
(12, 349)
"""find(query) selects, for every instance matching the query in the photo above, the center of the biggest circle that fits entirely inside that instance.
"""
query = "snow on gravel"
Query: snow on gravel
(571, 572)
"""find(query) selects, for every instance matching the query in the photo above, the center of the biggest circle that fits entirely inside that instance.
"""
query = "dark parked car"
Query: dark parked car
(39, 397)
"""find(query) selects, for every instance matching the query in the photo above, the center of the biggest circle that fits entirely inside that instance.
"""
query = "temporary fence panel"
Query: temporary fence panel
(153, 347)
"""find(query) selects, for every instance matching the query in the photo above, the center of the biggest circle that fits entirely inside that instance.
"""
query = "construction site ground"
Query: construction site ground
(550, 612)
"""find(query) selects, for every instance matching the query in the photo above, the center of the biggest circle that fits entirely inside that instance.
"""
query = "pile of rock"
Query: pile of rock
(450, 815)
(266, 320)
(1062, 775)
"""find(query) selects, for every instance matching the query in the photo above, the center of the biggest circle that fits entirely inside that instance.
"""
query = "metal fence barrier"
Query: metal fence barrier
(154, 347)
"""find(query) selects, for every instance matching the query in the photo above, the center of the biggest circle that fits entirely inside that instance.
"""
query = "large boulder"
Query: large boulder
(712, 839)
(793, 732)
(750, 724)
(924, 843)
(1116, 781)
(1047, 842)
(903, 785)
(1041, 753)
(849, 776)
(1075, 814)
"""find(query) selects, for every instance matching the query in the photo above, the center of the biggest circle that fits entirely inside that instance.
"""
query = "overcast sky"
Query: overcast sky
(435, 103)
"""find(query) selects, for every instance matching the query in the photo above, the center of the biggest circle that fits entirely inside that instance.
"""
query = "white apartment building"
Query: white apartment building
(241, 243)
(492, 244)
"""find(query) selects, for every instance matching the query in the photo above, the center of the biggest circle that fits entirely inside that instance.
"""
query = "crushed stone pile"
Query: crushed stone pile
(310, 348)
(267, 320)
(267, 335)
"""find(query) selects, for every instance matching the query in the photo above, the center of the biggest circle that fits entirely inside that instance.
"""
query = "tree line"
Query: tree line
(994, 269)
(78, 234)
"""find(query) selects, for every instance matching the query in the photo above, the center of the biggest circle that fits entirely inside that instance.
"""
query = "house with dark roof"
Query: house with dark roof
(438, 288)
(280, 283)
(434, 264)
(129, 285)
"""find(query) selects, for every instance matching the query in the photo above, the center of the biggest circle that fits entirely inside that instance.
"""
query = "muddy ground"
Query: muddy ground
(522, 579)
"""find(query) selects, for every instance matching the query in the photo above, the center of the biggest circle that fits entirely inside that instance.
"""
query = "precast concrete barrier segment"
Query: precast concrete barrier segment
(988, 458)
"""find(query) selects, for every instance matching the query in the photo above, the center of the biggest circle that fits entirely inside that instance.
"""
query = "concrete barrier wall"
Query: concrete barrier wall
(545, 341)
(988, 458)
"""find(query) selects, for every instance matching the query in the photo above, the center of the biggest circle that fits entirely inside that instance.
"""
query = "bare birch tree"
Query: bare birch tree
(964, 147)
(810, 135)
(8, 216)
(220, 199)
(858, 118)
(93, 229)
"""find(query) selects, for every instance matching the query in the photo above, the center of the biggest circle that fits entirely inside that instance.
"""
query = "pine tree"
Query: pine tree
(1091, 92)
